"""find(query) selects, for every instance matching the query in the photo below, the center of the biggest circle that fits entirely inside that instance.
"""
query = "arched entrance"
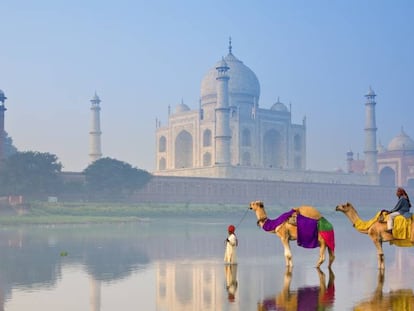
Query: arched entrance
(272, 150)
(184, 150)
(387, 177)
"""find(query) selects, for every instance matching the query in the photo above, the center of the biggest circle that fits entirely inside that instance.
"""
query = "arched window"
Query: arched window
(162, 144)
(246, 138)
(207, 138)
(273, 155)
(298, 162)
(297, 143)
(207, 159)
(246, 161)
(387, 177)
(184, 150)
(162, 164)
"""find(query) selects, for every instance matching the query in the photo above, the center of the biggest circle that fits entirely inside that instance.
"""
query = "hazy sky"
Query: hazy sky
(141, 56)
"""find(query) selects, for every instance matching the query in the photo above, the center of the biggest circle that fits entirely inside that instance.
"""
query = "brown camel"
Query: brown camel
(316, 297)
(287, 231)
(376, 230)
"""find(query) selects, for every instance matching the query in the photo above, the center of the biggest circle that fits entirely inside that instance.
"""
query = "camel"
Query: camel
(316, 297)
(376, 230)
(287, 231)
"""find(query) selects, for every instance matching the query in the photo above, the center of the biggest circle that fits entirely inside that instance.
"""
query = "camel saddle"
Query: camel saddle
(403, 228)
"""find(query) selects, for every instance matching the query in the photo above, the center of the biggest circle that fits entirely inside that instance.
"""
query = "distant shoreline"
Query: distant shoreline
(41, 213)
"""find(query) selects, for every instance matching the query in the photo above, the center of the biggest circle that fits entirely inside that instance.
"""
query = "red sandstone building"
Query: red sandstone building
(395, 162)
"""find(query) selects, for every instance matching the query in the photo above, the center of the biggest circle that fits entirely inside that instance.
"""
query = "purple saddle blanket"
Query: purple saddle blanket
(307, 228)
(271, 224)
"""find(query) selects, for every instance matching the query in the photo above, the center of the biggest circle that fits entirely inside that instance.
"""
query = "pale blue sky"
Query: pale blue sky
(141, 56)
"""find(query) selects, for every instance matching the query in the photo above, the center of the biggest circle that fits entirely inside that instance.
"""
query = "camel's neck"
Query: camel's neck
(352, 215)
(261, 216)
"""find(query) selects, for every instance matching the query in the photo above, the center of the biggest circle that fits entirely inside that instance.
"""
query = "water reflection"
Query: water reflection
(188, 286)
(230, 272)
(400, 299)
(320, 297)
(177, 265)
(32, 258)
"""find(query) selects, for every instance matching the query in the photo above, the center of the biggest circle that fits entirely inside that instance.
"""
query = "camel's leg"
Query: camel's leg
(287, 251)
(378, 245)
(331, 257)
(322, 249)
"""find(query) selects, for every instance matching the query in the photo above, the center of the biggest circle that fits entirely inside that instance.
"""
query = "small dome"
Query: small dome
(278, 106)
(401, 142)
(181, 108)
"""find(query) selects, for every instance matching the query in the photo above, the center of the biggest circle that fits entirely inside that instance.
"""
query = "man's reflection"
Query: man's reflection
(401, 299)
(305, 298)
(230, 272)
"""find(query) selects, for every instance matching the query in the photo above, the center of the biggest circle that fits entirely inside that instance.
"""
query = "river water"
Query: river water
(171, 264)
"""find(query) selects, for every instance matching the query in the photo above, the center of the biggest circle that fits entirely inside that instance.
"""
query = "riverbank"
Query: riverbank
(34, 213)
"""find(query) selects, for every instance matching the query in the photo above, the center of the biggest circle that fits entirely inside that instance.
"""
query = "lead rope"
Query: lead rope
(245, 213)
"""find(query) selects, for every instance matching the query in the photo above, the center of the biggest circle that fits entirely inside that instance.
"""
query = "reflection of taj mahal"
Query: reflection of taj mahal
(230, 136)
(187, 289)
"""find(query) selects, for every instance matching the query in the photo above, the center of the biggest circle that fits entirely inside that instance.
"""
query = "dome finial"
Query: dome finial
(230, 47)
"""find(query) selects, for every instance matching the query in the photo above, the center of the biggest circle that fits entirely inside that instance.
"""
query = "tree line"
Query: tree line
(37, 175)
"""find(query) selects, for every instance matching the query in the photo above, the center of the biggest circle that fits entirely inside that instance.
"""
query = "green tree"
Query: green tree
(9, 148)
(30, 173)
(110, 179)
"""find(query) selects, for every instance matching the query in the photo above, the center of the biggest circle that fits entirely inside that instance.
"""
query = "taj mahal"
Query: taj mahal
(231, 136)
(230, 130)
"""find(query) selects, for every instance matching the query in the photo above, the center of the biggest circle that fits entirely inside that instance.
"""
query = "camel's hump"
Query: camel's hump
(309, 211)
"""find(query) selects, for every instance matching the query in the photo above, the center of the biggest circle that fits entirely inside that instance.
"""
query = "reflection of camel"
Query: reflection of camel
(374, 228)
(230, 271)
(287, 231)
(305, 298)
(402, 299)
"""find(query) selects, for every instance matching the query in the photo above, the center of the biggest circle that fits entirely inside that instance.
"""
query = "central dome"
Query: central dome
(243, 80)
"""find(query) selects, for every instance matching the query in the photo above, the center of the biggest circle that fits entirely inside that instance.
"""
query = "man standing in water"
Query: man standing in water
(230, 255)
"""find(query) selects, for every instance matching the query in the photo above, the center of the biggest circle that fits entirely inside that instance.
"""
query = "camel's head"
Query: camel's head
(258, 208)
(256, 205)
(344, 208)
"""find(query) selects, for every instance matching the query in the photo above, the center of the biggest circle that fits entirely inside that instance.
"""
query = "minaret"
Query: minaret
(349, 160)
(222, 138)
(2, 133)
(370, 134)
(95, 133)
